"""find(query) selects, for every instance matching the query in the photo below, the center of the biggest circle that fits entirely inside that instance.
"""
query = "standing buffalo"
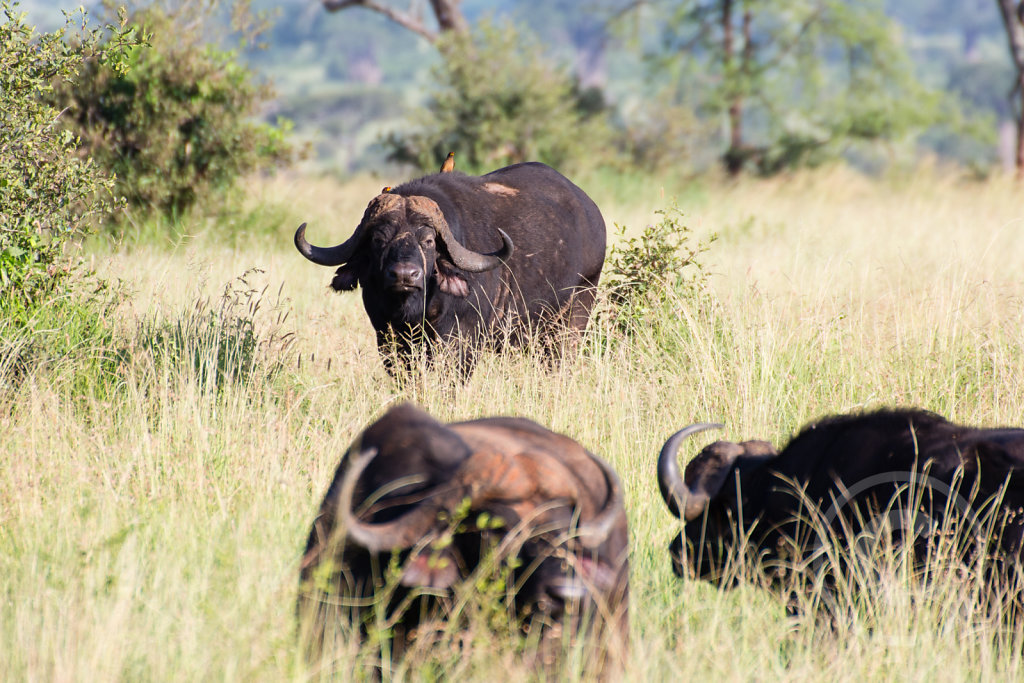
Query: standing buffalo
(443, 505)
(908, 469)
(456, 257)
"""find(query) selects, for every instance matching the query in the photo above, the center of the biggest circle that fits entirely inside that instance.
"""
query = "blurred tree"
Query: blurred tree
(1013, 20)
(801, 77)
(447, 13)
(500, 99)
(178, 127)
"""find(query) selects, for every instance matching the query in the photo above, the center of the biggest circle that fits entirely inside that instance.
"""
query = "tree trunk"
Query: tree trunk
(733, 156)
(1013, 20)
(737, 155)
(449, 16)
(1019, 156)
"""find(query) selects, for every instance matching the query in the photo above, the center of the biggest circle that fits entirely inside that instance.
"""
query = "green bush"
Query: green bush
(49, 196)
(499, 100)
(641, 271)
(179, 125)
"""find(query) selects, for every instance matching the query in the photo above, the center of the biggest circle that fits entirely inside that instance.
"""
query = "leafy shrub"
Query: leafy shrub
(48, 195)
(178, 126)
(499, 100)
(640, 270)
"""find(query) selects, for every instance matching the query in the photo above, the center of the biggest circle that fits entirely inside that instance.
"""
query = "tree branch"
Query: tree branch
(403, 19)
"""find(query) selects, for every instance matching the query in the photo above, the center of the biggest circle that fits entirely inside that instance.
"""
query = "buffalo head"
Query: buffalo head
(400, 246)
(702, 497)
(440, 504)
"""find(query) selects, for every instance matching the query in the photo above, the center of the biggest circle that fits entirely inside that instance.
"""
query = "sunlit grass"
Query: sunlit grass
(151, 526)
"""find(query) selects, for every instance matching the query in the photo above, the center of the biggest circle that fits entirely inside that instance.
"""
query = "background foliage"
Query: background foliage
(500, 99)
(179, 125)
(49, 197)
(794, 83)
(351, 78)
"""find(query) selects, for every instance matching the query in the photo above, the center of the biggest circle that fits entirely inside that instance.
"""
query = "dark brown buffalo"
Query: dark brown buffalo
(910, 469)
(457, 257)
(440, 498)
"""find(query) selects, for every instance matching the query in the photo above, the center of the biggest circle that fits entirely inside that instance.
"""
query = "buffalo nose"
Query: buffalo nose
(404, 273)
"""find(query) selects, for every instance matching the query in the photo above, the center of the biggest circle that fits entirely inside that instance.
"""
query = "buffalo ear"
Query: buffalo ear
(706, 474)
(449, 282)
(346, 278)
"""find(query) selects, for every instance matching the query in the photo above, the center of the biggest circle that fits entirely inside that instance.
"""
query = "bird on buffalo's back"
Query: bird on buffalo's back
(449, 163)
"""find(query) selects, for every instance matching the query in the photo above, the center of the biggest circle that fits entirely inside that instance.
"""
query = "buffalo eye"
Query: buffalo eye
(428, 241)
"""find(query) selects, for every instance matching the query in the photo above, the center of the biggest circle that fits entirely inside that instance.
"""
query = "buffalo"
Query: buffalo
(907, 473)
(419, 511)
(451, 257)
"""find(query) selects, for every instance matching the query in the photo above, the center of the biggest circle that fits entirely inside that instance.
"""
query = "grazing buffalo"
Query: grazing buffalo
(847, 474)
(457, 257)
(419, 512)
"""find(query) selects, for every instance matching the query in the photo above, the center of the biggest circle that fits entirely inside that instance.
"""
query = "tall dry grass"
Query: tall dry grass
(153, 511)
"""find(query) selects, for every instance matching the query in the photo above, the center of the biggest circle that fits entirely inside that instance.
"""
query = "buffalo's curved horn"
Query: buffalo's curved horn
(401, 533)
(329, 256)
(594, 532)
(472, 261)
(673, 487)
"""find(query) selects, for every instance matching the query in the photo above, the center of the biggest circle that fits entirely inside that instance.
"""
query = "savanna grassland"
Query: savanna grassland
(159, 479)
